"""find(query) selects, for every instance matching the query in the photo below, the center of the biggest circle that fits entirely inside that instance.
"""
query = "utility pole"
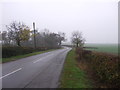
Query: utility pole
(34, 34)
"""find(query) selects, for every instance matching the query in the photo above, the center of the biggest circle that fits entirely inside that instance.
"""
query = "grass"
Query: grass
(107, 48)
(73, 76)
(23, 56)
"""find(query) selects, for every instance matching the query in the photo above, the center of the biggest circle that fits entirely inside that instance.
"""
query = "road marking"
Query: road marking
(36, 61)
(10, 73)
(42, 58)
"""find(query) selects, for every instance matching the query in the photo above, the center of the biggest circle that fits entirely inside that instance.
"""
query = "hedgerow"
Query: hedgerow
(14, 51)
(105, 66)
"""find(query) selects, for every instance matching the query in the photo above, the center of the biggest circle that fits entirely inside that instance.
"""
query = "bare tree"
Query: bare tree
(18, 32)
(61, 37)
(49, 39)
(4, 37)
(77, 39)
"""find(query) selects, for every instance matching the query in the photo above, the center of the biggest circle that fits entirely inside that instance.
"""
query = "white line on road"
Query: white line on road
(43, 58)
(36, 61)
(10, 73)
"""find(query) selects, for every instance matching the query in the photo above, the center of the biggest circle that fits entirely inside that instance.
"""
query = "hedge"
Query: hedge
(14, 51)
(105, 66)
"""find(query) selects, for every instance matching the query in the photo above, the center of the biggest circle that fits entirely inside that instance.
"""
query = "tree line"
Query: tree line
(19, 34)
(19, 39)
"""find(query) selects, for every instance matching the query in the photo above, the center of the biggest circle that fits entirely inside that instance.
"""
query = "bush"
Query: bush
(87, 54)
(13, 51)
(105, 66)
(10, 51)
(79, 52)
(82, 53)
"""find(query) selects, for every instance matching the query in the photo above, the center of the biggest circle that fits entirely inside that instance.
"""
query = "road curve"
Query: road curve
(38, 71)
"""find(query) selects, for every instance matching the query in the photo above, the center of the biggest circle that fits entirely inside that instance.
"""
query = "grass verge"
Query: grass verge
(23, 56)
(72, 76)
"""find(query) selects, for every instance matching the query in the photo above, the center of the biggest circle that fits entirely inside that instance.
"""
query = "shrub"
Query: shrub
(79, 52)
(86, 54)
(13, 51)
(10, 51)
(82, 53)
(105, 66)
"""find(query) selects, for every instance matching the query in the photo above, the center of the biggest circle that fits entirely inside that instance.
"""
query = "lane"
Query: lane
(10, 66)
(10, 73)
(49, 77)
(34, 72)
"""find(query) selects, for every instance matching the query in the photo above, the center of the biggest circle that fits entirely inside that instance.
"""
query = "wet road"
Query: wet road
(38, 71)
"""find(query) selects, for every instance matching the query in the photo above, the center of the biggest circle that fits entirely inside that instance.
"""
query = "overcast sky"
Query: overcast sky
(96, 19)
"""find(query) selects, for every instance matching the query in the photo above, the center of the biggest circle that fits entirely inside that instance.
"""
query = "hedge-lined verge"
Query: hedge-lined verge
(72, 76)
(4, 60)
(105, 66)
(14, 51)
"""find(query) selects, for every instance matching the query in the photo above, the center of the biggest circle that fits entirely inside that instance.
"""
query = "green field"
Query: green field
(108, 48)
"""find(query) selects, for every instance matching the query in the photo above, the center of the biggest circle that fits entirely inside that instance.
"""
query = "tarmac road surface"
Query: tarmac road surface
(38, 71)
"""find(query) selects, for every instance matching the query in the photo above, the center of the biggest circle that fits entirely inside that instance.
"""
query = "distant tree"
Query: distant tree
(61, 37)
(0, 36)
(18, 31)
(77, 39)
(4, 37)
(49, 39)
(45, 39)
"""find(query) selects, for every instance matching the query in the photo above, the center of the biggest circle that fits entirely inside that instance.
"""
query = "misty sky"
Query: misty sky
(96, 19)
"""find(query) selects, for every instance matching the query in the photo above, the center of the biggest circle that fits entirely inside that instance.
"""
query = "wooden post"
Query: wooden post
(34, 35)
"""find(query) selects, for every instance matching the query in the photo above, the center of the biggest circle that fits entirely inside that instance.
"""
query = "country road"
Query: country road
(38, 71)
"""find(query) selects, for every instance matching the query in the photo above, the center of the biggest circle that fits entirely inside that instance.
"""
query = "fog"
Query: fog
(96, 19)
